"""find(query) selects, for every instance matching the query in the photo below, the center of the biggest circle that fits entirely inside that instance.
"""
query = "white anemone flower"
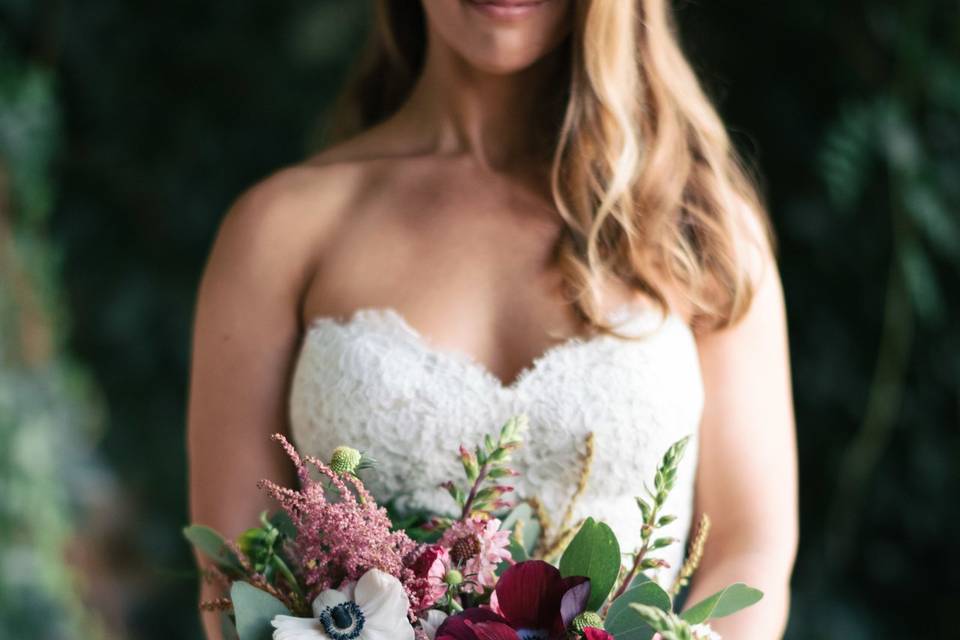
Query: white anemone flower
(434, 618)
(375, 608)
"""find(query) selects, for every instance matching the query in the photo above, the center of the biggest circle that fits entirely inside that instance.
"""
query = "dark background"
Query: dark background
(127, 129)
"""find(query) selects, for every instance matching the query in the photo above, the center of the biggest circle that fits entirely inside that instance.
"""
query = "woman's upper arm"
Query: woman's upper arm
(245, 339)
(747, 474)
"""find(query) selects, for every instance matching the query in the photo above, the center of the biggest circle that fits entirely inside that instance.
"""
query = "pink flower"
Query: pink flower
(339, 540)
(430, 567)
(592, 633)
(477, 547)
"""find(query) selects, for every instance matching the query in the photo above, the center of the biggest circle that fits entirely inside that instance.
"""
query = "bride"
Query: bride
(528, 206)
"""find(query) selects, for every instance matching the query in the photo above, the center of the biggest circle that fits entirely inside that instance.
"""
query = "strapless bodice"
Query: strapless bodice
(374, 383)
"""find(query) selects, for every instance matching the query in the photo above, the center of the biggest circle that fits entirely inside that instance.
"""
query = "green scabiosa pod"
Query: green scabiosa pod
(345, 459)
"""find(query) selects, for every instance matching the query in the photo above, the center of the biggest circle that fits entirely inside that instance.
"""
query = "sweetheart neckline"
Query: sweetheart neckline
(633, 313)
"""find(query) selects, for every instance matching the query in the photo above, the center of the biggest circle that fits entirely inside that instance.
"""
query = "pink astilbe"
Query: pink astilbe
(339, 540)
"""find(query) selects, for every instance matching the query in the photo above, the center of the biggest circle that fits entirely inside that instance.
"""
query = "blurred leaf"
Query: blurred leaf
(922, 282)
(943, 74)
(28, 136)
(938, 223)
(212, 544)
(228, 628)
(901, 145)
(253, 610)
(517, 553)
(723, 603)
(282, 521)
(845, 159)
(523, 513)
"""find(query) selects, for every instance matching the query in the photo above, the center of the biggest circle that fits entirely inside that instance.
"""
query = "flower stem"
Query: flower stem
(481, 476)
(638, 559)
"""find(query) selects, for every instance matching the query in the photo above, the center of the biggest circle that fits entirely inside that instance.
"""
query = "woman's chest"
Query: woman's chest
(373, 383)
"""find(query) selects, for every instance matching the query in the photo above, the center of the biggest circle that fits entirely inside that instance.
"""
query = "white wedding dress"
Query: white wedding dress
(374, 383)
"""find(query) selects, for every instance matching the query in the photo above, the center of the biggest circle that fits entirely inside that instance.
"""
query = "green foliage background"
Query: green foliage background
(126, 129)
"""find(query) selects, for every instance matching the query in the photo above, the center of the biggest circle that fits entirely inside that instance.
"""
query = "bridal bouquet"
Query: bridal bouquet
(332, 564)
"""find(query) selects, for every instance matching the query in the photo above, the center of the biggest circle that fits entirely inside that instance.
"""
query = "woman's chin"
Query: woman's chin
(505, 53)
(499, 36)
(503, 64)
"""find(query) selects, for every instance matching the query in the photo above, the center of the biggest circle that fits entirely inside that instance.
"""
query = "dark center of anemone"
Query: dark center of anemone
(341, 617)
(342, 622)
(533, 634)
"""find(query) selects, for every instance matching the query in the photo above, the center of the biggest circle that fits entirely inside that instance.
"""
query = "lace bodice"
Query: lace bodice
(374, 383)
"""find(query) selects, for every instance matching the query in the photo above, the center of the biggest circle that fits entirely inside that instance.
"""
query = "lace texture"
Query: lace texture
(373, 382)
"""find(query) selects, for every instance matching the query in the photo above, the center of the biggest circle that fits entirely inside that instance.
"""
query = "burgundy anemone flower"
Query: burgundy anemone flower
(533, 602)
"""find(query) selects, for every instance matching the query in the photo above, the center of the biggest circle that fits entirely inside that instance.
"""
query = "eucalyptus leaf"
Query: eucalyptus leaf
(253, 610)
(639, 579)
(625, 623)
(523, 512)
(724, 602)
(213, 546)
(595, 553)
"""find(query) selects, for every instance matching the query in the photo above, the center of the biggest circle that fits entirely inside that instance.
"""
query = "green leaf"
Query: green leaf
(665, 520)
(254, 609)
(921, 279)
(517, 552)
(660, 543)
(848, 154)
(523, 512)
(644, 508)
(595, 553)
(228, 629)
(934, 218)
(625, 623)
(283, 522)
(724, 602)
(639, 579)
(213, 546)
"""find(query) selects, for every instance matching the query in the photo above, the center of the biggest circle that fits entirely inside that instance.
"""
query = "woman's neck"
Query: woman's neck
(458, 109)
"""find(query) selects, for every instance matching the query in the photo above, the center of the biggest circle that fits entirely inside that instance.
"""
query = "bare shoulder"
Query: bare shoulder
(756, 243)
(314, 195)
(284, 221)
(289, 226)
(764, 312)
(293, 202)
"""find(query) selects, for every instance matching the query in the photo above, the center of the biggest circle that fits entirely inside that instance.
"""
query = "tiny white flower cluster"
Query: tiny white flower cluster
(704, 632)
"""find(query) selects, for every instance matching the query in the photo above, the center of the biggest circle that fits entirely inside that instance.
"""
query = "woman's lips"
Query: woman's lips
(506, 9)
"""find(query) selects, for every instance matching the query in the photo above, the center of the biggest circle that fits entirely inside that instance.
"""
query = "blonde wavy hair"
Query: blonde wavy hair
(641, 167)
